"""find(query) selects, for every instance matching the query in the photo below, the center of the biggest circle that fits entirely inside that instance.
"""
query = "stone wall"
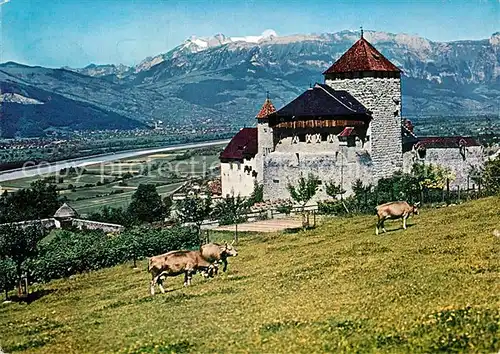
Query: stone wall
(382, 96)
(452, 158)
(265, 146)
(343, 167)
(238, 177)
(96, 225)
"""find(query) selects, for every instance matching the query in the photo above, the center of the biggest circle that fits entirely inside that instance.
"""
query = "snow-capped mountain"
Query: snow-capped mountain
(224, 79)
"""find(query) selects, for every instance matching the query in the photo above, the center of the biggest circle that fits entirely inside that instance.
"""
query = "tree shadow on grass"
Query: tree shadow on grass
(31, 297)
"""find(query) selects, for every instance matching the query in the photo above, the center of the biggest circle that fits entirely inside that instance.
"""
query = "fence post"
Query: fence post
(448, 191)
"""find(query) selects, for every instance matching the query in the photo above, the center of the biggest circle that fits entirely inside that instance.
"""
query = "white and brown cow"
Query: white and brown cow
(175, 263)
(394, 210)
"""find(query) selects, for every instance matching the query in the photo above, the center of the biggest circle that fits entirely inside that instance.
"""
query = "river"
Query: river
(42, 169)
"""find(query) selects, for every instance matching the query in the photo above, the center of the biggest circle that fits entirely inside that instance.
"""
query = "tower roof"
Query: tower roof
(65, 211)
(362, 56)
(267, 109)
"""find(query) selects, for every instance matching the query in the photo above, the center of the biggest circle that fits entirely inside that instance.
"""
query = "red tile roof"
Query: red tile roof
(348, 131)
(445, 142)
(267, 109)
(242, 145)
(362, 56)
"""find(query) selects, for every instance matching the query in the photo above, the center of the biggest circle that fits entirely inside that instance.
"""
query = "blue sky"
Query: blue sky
(55, 33)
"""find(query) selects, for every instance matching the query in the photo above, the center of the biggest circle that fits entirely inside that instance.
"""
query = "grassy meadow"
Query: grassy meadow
(338, 288)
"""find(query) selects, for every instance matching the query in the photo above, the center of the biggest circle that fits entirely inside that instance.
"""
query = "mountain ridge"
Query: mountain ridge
(224, 81)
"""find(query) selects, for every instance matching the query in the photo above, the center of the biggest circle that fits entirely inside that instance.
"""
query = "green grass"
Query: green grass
(338, 288)
(116, 200)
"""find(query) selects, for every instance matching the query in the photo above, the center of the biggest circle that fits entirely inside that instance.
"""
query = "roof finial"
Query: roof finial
(361, 27)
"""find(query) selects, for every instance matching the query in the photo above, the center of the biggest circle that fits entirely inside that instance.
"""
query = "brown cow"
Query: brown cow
(175, 263)
(394, 210)
(215, 253)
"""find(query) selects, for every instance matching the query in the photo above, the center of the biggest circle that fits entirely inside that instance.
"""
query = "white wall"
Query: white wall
(235, 180)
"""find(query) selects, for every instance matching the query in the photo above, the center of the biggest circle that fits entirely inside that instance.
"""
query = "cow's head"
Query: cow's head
(415, 208)
(229, 250)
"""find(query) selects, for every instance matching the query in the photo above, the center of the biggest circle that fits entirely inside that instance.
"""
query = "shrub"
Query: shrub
(75, 252)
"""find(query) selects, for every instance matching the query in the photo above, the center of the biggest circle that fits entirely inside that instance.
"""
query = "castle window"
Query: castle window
(422, 153)
(276, 181)
(396, 113)
(297, 155)
(324, 136)
(254, 174)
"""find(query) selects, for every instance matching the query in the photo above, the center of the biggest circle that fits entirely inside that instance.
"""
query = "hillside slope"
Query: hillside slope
(339, 288)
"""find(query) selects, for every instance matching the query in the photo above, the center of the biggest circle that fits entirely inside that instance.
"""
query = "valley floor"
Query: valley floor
(338, 288)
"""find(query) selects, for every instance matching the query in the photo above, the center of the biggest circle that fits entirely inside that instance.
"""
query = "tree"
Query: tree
(303, 192)
(489, 176)
(7, 276)
(194, 209)
(257, 195)
(20, 244)
(37, 202)
(333, 190)
(432, 176)
(167, 205)
(231, 210)
(113, 215)
(146, 205)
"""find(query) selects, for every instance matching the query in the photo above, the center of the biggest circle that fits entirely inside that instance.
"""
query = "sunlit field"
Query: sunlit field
(337, 288)
(103, 184)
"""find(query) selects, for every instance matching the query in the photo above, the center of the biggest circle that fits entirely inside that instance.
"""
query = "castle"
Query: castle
(348, 128)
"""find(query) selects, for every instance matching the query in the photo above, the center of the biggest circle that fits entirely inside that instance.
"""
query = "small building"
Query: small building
(64, 216)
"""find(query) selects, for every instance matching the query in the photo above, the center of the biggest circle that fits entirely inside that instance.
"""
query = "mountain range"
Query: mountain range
(222, 81)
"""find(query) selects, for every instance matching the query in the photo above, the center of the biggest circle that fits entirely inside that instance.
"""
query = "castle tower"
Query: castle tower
(264, 136)
(375, 82)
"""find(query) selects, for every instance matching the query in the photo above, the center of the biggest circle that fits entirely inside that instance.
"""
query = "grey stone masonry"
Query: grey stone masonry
(342, 167)
(382, 96)
(459, 162)
(265, 146)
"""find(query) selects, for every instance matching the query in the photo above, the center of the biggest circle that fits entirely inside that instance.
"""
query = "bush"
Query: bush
(7, 275)
(82, 251)
(285, 208)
